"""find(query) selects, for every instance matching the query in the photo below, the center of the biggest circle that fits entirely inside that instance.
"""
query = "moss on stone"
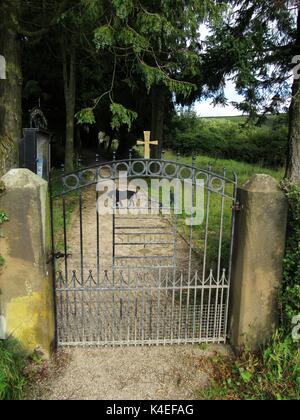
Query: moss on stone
(8, 154)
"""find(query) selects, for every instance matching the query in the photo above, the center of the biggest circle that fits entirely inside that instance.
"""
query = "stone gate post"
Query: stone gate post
(258, 262)
(26, 300)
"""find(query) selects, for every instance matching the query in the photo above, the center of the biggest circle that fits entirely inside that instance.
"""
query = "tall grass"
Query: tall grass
(12, 364)
(244, 171)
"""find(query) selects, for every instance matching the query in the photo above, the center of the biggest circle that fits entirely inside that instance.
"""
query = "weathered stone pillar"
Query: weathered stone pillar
(26, 288)
(258, 262)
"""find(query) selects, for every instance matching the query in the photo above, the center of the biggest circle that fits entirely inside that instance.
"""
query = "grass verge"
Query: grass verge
(12, 363)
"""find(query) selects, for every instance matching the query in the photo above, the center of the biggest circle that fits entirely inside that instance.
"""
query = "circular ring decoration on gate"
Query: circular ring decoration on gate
(202, 176)
(122, 167)
(87, 176)
(103, 172)
(171, 170)
(186, 173)
(139, 172)
(71, 182)
(157, 165)
(217, 184)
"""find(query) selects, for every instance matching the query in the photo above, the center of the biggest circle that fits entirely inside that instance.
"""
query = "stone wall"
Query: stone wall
(25, 282)
(258, 262)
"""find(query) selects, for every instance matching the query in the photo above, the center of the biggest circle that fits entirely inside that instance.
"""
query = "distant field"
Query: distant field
(243, 170)
(262, 143)
(243, 118)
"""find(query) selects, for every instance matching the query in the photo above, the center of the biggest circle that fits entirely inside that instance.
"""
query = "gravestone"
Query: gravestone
(115, 145)
(103, 140)
(35, 147)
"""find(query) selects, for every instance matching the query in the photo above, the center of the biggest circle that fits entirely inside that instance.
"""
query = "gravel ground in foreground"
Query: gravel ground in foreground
(164, 373)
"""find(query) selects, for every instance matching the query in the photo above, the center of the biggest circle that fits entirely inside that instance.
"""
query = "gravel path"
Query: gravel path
(164, 373)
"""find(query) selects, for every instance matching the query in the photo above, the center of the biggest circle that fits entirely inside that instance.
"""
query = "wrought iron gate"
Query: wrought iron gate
(137, 278)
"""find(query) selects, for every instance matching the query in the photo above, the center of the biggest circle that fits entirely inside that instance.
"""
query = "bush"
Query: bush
(231, 138)
(273, 373)
(291, 284)
(12, 363)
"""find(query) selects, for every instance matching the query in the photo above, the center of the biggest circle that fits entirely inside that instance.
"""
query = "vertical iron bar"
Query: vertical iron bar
(222, 304)
(113, 274)
(135, 317)
(195, 306)
(220, 254)
(90, 309)
(76, 316)
(128, 309)
(66, 263)
(221, 228)
(98, 239)
(53, 261)
(82, 266)
(150, 317)
(121, 308)
(173, 306)
(180, 306)
(143, 308)
(211, 277)
(98, 294)
(166, 306)
(81, 237)
(189, 278)
(205, 248)
(158, 305)
(231, 248)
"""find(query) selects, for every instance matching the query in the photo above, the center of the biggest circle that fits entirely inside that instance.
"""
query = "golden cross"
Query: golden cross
(147, 143)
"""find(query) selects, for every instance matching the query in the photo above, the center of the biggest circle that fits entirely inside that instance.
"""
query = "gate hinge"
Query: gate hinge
(237, 206)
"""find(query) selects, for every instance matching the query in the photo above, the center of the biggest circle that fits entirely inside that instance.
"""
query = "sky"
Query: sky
(207, 109)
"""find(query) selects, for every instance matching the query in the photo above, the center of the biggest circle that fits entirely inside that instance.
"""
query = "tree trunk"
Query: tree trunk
(158, 99)
(69, 75)
(11, 87)
(293, 164)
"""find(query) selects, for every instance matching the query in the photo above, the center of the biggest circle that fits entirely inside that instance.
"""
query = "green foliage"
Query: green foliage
(103, 37)
(156, 44)
(2, 261)
(291, 285)
(274, 374)
(259, 39)
(122, 116)
(86, 116)
(133, 39)
(3, 217)
(123, 8)
(12, 364)
(227, 138)
(244, 171)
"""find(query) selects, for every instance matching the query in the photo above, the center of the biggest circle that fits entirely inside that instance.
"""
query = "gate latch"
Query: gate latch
(57, 256)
